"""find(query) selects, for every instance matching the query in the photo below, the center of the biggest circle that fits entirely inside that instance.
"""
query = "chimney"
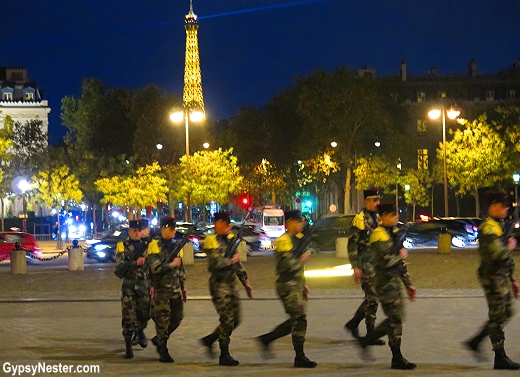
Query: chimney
(472, 68)
(433, 71)
(402, 69)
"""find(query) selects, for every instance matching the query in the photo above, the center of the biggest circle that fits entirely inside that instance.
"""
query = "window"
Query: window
(8, 96)
(441, 94)
(421, 126)
(421, 96)
(422, 159)
(511, 94)
(29, 96)
(490, 95)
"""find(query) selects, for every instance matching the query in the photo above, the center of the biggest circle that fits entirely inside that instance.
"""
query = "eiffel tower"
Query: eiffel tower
(192, 96)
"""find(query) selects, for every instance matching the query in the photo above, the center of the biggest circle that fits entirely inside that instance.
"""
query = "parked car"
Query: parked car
(27, 242)
(255, 239)
(426, 233)
(104, 250)
(327, 230)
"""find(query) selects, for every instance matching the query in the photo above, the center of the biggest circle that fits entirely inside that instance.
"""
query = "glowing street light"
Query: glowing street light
(377, 144)
(159, 146)
(205, 145)
(516, 178)
(333, 144)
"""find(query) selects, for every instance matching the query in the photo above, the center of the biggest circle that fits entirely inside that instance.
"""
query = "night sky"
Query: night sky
(250, 49)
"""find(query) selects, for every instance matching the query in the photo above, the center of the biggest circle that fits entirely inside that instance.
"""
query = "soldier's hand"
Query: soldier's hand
(235, 259)
(511, 243)
(304, 258)
(516, 288)
(176, 262)
(305, 293)
(140, 261)
(358, 274)
(152, 292)
(403, 253)
(249, 290)
(411, 290)
(184, 295)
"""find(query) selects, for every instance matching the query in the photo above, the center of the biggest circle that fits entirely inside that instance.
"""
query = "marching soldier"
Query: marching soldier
(169, 287)
(363, 225)
(390, 271)
(292, 290)
(498, 278)
(135, 291)
(222, 284)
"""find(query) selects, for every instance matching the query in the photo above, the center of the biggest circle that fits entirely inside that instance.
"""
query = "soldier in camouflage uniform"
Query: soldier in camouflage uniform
(292, 290)
(390, 272)
(497, 276)
(168, 282)
(363, 225)
(222, 285)
(135, 298)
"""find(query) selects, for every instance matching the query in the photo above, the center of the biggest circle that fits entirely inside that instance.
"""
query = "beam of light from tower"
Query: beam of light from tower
(266, 7)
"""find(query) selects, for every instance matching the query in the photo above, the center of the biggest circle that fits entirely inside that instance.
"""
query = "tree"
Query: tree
(342, 107)
(375, 172)
(29, 144)
(419, 182)
(58, 188)
(214, 175)
(5, 144)
(475, 157)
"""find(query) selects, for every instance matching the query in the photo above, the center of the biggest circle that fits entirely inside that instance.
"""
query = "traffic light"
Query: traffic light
(244, 201)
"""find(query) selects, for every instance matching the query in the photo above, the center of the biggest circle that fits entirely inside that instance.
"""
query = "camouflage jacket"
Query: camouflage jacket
(495, 256)
(218, 264)
(362, 227)
(164, 277)
(289, 267)
(388, 264)
(136, 275)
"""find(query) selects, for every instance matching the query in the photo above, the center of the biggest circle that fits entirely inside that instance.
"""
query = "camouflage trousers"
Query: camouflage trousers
(499, 298)
(368, 307)
(226, 301)
(168, 312)
(292, 298)
(391, 299)
(135, 308)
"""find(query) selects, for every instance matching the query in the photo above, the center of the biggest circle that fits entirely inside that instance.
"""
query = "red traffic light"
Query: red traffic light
(245, 201)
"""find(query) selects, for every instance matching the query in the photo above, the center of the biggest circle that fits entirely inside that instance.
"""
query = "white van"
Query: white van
(273, 221)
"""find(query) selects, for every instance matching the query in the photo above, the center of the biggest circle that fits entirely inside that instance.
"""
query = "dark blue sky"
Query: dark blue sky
(247, 57)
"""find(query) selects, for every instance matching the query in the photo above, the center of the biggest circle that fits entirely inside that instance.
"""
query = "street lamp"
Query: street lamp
(205, 145)
(24, 186)
(516, 178)
(196, 115)
(452, 113)
(333, 144)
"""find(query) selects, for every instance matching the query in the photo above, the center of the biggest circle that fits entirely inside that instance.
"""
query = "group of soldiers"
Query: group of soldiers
(154, 283)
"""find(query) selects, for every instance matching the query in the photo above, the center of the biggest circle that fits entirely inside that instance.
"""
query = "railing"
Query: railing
(42, 237)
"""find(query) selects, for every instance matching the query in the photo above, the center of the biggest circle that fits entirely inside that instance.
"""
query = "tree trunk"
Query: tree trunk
(432, 202)
(457, 201)
(171, 208)
(273, 198)
(3, 215)
(94, 220)
(477, 204)
(413, 213)
(346, 206)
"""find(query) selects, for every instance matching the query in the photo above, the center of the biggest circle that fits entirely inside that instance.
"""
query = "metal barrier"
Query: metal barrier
(42, 237)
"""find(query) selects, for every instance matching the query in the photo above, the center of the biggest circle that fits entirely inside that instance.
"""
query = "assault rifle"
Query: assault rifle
(301, 248)
(123, 268)
(511, 221)
(177, 247)
(233, 245)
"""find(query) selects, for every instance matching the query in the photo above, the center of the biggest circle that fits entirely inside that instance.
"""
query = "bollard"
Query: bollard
(242, 251)
(444, 242)
(341, 247)
(187, 254)
(18, 260)
(76, 257)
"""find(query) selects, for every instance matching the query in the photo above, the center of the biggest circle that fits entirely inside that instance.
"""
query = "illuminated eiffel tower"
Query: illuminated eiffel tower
(192, 96)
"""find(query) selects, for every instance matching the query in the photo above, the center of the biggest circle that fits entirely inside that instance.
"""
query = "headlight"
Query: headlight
(82, 228)
(101, 247)
(72, 228)
(101, 254)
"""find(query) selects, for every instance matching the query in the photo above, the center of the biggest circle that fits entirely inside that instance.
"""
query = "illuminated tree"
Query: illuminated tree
(419, 184)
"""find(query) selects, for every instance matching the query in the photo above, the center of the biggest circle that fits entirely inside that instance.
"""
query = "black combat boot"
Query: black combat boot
(352, 325)
(141, 339)
(164, 356)
(208, 342)
(504, 362)
(301, 361)
(225, 358)
(129, 353)
(135, 341)
(398, 361)
(155, 342)
(473, 344)
(374, 335)
(374, 341)
(265, 340)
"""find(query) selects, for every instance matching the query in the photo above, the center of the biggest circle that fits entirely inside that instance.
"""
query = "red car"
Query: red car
(8, 239)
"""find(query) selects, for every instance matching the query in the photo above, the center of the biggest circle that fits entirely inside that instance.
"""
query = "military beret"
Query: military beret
(168, 222)
(145, 223)
(223, 216)
(372, 193)
(293, 215)
(498, 197)
(386, 208)
(135, 224)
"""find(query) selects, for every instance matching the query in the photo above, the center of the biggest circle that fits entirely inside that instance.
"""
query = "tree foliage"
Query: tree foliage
(29, 145)
(375, 171)
(420, 182)
(57, 188)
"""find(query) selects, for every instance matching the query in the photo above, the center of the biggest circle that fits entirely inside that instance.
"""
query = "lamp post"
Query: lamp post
(516, 178)
(452, 113)
(196, 115)
(24, 186)
(399, 166)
